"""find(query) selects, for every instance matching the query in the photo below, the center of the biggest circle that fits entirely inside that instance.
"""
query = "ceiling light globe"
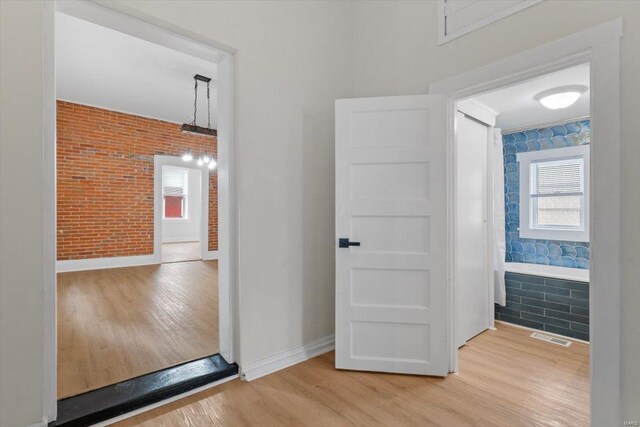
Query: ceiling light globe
(187, 157)
(200, 162)
(560, 97)
(560, 100)
(212, 164)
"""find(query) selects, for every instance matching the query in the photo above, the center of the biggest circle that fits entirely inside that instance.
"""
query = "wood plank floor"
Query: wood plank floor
(181, 251)
(506, 379)
(116, 324)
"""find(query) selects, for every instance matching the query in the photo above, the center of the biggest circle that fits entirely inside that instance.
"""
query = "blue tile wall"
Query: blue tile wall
(552, 305)
(536, 251)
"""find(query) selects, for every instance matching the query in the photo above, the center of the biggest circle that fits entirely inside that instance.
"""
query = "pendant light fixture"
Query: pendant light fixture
(193, 127)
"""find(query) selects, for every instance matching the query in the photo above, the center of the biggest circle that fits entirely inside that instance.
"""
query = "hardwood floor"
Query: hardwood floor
(181, 251)
(506, 379)
(116, 324)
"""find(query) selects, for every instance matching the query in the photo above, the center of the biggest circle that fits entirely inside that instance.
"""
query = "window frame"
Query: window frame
(529, 230)
(185, 196)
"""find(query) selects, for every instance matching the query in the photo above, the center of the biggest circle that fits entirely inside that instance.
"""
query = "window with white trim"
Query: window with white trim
(554, 194)
(174, 192)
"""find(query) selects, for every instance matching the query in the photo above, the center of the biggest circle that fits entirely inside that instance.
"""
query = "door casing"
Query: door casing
(131, 22)
(600, 47)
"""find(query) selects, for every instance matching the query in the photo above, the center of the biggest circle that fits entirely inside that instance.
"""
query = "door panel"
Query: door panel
(472, 270)
(391, 290)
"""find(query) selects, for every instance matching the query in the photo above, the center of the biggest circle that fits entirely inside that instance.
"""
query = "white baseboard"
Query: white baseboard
(99, 263)
(194, 239)
(210, 255)
(287, 358)
(43, 423)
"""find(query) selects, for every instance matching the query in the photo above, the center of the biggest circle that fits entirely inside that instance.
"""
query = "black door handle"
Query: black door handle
(345, 243)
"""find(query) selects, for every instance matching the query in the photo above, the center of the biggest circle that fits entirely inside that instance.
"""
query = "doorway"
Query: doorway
(522, 207)
(182, 202)
(388, 226)
(111, 287)
(529, 205)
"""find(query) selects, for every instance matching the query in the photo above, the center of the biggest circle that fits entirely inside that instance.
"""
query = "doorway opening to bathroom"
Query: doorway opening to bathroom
(521, 253)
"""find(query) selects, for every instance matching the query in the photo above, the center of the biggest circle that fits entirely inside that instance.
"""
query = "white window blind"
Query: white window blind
(558, 190)
(560, 177)
(174, 181)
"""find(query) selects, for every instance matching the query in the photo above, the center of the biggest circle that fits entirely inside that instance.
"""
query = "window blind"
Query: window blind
(174, 181)
(558, 178)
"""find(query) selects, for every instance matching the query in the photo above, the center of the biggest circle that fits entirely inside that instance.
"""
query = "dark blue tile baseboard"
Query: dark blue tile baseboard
(552, 305)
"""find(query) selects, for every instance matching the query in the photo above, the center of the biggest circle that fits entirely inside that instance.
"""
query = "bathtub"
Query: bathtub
(564, 273)
(548, 298)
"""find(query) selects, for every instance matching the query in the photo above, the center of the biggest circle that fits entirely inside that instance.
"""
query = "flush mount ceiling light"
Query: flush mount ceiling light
(193, 127)
(560, 97)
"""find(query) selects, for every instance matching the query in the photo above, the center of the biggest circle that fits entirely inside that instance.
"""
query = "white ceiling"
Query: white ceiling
(105, 68)
(517, 107)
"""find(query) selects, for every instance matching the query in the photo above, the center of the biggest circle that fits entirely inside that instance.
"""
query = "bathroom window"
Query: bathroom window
(554, 194)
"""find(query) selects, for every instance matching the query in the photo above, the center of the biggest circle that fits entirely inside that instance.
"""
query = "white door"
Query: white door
(391, 290)
(472, 272)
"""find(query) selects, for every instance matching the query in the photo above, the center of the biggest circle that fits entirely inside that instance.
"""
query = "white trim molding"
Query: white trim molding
(287, 358)
(111, 262)
(600, 47)
(42, 423)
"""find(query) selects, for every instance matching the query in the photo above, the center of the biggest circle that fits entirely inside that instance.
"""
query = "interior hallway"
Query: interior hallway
(506, 379)
(116, 324)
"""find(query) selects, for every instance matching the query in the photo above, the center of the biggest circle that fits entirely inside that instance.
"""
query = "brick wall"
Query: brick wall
(105, 180)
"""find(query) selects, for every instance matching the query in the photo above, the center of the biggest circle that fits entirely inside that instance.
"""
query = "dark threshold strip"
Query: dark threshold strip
(113, 400)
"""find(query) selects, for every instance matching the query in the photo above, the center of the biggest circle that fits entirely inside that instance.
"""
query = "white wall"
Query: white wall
(396, 53)
(21, 214)
(187, 230)
(293, 60)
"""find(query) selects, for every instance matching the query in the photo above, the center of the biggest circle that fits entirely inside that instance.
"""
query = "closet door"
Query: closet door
(471, 249)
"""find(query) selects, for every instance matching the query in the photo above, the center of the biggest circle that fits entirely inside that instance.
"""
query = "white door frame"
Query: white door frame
(158, 162)
(599, 46)
(129, 21)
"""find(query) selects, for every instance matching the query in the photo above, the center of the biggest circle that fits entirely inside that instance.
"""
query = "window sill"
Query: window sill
(567, 235)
